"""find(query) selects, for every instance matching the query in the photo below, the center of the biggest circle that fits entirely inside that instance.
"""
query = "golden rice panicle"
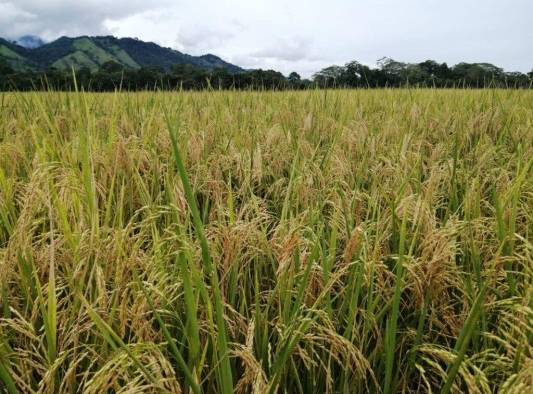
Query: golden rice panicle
(311, 241)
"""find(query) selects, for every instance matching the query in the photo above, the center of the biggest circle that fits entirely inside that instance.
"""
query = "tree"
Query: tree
(478, 74)
(149, 77)
(357, 75)
(437, 73)
(395, 72)
(5, 68)
(220, 78)
(329, 76)
(83, 77)
(111, 67)
(391, 66)
(431, 67)
(263, 80)
(5, 73)
(294, 76)
(187, 76)
(294, 79)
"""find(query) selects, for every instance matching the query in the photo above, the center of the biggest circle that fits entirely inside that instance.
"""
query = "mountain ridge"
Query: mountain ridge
(93, 51)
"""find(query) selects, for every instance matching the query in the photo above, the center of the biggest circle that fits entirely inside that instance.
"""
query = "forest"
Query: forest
(388, 73)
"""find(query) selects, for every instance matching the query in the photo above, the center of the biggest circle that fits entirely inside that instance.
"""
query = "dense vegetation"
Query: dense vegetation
(112, 76)
(389, 73)
(426, 74)
(345, 241)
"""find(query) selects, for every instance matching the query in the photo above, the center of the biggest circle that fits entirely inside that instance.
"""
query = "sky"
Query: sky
(296, 35)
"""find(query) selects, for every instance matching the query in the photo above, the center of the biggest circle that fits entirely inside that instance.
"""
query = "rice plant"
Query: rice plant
(321, 241)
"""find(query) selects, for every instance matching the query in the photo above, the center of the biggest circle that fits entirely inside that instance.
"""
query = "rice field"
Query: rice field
(320, 241)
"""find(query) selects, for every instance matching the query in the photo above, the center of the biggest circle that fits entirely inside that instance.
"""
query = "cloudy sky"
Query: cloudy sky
(297, 35)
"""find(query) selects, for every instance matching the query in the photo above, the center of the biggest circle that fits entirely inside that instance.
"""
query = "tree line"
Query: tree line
(388, 73)
(391, 73)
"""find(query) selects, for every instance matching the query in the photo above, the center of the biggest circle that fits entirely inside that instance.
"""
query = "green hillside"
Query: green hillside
(93, 52)
(75, 60)
(13, 55)
(9, 54)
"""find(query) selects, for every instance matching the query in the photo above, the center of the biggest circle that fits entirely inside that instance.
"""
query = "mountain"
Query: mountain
(15, 56)
(92, 52)
(30, 42)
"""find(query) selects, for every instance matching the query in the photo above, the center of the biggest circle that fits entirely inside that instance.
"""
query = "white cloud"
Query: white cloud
(9, 12)
(290, 49)
(202, 38)
(301, 35)
(53, 18)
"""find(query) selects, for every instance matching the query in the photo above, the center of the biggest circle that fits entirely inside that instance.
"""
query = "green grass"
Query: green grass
(6, 52)
(122, 56)
(88, 54)
(75, 60)
(14, 59)
(92, 50)
(318, 241)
